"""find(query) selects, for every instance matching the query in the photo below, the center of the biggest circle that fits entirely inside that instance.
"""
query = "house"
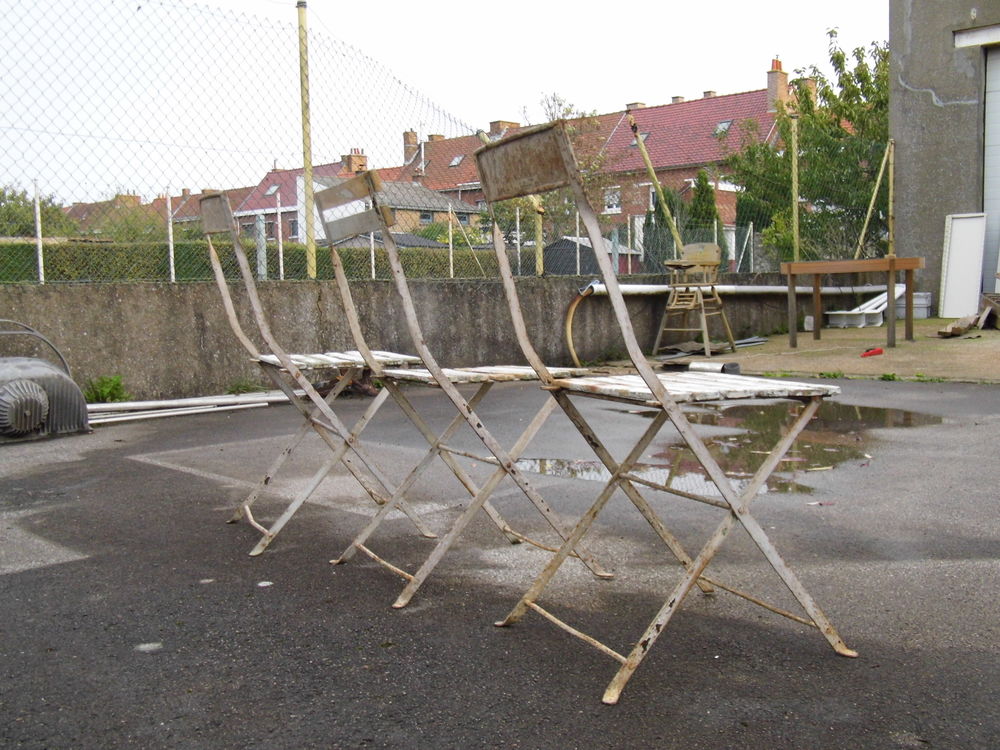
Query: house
(944, 115)
(415, 206)
(560, 258)
(185, 209)
(95, 218)
(682, 137)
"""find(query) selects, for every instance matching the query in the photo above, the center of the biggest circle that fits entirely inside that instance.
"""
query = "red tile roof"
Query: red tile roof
(682, 134)
(685, 134)
(285, 179)
(189, 208)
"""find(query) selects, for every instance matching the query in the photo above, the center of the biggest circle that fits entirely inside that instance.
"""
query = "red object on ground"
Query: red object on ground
(872, 352)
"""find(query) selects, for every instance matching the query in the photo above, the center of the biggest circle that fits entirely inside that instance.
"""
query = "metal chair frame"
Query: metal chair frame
(540, 159)
(295, 374)
(375, 217)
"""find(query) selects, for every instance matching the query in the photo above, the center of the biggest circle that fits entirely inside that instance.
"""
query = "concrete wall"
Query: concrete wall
(173, 340)
(936, 117)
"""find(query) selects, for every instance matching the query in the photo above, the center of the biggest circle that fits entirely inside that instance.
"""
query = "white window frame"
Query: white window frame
(612, 200)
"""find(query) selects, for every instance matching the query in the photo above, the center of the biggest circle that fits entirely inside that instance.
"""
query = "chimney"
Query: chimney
(636, 105)
(355, 162)
(185, 192)
(435, 137)
(708, 95)
(777, 85)
(809, 84)
(676, 99)
(497, 127)
(410, 144)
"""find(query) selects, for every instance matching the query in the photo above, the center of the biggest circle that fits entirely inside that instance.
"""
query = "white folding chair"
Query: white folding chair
(541, 159)
(296, 375)
(362, 194)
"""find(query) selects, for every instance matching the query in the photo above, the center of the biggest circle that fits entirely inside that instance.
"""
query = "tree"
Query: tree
(17, 215)
(460, 236)
(127, 222)
(703, 218)
(842, 136)
(657, 239)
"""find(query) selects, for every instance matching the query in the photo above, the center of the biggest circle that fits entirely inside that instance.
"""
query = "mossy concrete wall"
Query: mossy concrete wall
(173, 340)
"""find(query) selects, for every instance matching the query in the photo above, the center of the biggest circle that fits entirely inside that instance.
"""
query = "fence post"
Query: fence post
(279, 231)
(39, 253)
(170, 237)
(517, 236)
(307, 167)
(576, 238)
(260, 240)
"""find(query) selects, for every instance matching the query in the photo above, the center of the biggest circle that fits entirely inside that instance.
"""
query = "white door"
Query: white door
(991, 171)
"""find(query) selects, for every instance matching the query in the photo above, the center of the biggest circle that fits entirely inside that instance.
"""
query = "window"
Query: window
(613, 200)
(426, 217)
(246, 229)
(652, 197)
(635, 142)
(463, 219)
(723, 127)
(269, 229)
(457, 160)
(293, 227)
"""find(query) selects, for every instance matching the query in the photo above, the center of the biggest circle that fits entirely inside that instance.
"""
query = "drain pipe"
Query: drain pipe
(597, 289)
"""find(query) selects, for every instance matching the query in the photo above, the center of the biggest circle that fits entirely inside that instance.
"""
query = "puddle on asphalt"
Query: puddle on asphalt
(838, 433)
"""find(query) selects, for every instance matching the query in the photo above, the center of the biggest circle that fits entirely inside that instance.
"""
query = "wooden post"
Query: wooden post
(307, 167)
(678, 242)
(795, 186)
(817, 307)
(793, 340)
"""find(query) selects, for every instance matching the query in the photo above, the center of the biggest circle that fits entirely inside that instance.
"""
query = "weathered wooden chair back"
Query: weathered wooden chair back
(705, 257)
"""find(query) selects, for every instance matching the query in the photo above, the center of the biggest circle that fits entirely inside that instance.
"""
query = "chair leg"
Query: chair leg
(704, 330)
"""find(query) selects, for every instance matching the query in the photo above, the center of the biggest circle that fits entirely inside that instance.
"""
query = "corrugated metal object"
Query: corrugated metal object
(37, 398)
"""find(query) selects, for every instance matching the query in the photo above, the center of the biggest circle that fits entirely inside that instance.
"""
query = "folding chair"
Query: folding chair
(364, 190)
(541, 159)
(298, 375)
(693, 279)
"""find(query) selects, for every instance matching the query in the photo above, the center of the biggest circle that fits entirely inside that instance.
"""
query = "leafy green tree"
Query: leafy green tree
(461, 236)
(703, 223)
(132, 223)
(657, 238)
(843, 131)
(17, 215)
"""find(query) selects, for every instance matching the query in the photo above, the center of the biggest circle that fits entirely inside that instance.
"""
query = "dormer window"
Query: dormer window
(723, 127)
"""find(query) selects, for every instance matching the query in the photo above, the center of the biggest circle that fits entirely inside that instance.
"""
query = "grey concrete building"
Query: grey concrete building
(944, 115)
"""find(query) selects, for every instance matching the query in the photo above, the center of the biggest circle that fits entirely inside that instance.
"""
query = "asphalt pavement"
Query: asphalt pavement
(134, 617)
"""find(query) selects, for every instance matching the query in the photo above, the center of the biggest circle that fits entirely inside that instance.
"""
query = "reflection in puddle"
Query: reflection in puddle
(836, 434)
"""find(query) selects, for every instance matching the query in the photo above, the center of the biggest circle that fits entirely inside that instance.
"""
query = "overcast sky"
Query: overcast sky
(99, 97)
(597, 56)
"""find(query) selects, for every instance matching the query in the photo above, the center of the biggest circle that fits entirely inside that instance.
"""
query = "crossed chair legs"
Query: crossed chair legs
(738, 513)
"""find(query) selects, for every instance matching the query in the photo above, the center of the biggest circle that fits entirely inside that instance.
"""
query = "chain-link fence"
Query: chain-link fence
(120, 115)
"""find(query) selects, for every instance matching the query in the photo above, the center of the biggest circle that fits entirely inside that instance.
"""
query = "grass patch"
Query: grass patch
(244, 385)
(106, 389)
